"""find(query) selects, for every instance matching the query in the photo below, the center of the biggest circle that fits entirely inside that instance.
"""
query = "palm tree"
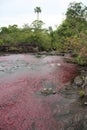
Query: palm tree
(37, 10)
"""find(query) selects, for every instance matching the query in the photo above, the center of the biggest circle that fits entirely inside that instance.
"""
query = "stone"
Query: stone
(54, 92)
(85, 82)
(58, 64)
(86, 91)
(78, 81)
(48, 91)
(45, 89)
(71, 128)
(74, 86)
(85, 103)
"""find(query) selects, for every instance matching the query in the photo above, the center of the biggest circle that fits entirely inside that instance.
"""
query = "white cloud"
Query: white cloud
(22, 11)
(52, 19)
(19, 20)
(48, 19)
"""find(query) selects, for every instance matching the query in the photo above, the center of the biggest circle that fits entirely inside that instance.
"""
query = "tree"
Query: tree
(51, 36)
(77, 11)
(37, 25)
(4, 30)
(37, 10)
(70, 33)
(76, 16)
(75, 21)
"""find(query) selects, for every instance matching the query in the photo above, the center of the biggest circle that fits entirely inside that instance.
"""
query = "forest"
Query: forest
(69, 37)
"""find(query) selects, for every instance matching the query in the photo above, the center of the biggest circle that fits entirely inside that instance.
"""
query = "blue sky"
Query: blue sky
(21, 12)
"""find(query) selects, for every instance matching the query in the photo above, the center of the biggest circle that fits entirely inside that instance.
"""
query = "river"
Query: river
(23, 106)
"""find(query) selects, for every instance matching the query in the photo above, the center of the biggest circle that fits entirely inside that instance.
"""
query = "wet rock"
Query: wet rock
(85, 125)
(47, 91)
(74, 86)
(82, 71)
(58, 64)
(38, 56)
(85, 91)
(42, 53)
(52, 53)
(70, 128)
(85, 103)
(85, 82)
(78, 117)
(54, 92)
(78, 81)
(49, 85)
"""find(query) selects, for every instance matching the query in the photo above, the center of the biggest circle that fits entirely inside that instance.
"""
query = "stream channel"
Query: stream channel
(31, 96)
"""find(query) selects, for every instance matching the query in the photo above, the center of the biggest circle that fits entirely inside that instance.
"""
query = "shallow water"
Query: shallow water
(23, 106)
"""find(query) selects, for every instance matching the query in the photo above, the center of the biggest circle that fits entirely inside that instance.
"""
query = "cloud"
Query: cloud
(52, 19)
(22, 11)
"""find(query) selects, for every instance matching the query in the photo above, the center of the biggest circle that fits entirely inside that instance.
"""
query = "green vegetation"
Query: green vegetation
(72, 33)
(70, 36)
(82, 93)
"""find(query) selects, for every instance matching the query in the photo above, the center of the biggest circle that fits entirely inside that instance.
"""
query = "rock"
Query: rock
(85, 89)
(42, 53)
(78, 81)
(71, 128)
(85, 82)
(48, 91)
(74, 86)
(44, 89)
(52, 65)
(52, 53)
(58, 64)
(85, 103)
(54, 92)
(82, 71)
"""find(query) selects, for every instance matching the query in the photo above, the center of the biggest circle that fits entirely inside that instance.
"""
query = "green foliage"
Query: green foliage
(1, 42)
(4, 30)
(8, 39)
(81, 60)
(37, 25)
(75, 21)
(35, 35)
(71, 35)
(76, 11)
(81, 93)
(13, 49)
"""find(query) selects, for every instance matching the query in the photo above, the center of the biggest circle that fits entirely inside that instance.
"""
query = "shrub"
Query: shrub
(82, 93)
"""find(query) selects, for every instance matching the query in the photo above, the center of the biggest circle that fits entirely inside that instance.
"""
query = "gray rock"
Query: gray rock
(74, 86)
(71, 128)
(85, 82)
(85, 103)
(48, 91)
(78, 81)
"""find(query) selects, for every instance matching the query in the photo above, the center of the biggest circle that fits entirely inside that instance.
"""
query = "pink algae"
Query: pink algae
(22, 106)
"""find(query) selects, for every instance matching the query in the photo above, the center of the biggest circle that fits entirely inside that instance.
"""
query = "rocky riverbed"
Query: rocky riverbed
(40, 92)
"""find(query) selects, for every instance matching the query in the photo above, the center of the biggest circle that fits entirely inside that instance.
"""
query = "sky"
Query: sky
(21, 12)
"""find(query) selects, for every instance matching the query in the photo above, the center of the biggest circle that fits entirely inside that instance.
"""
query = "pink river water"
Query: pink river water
(22, 106)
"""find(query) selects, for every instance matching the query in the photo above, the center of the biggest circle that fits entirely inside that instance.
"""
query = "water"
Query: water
(24, 107)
